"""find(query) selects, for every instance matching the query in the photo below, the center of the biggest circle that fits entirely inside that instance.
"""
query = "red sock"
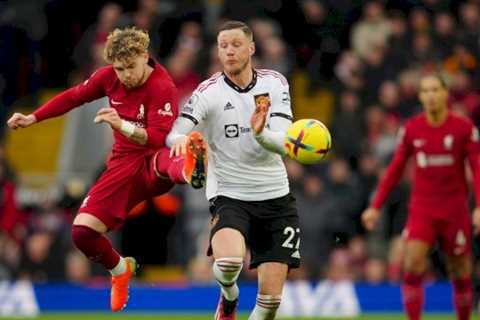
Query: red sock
(171, 168)
(412, 292)
(463, 297)
(95, 246)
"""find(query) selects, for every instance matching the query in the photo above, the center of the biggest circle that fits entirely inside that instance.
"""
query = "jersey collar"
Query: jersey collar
(237, 88)
(152, 62)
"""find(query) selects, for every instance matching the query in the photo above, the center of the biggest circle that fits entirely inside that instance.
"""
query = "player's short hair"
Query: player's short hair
(125, 44)
(234, 24)
(437, 76)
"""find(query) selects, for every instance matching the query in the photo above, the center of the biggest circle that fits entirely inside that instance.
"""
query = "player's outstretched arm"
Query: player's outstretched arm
(111, 117)
(91, 89)
(193, 113)
(472, 148)
(390, 179)
(395, 170)
(474, 160)
(19, 120)
(268, 138)
(277, 112)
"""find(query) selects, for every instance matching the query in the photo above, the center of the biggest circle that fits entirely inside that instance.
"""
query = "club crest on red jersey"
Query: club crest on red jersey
(141, 112)
(448, 142)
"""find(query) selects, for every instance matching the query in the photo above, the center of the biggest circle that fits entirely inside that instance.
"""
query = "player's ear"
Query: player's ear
(252, 48)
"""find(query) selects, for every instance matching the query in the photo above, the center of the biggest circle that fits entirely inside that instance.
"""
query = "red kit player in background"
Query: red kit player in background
(143, 107)
(439, 142)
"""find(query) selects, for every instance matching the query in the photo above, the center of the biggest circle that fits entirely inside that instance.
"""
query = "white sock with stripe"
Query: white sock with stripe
(266, 307)
(226, 271)
(120, 268)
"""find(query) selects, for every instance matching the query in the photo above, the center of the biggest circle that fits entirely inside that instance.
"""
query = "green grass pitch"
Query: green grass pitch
(131, 316)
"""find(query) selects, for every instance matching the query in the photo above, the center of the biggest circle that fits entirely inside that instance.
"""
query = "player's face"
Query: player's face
(235, 50)
(132, 71)
(433, 94)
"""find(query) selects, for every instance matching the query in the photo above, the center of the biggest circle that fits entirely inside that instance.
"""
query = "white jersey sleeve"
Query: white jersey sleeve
(196, 108)
(281, 110)
(192, 114)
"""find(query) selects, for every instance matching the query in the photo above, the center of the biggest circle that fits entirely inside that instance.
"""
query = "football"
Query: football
(308, 141)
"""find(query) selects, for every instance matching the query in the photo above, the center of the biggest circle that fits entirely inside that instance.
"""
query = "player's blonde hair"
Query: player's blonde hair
(125, 44)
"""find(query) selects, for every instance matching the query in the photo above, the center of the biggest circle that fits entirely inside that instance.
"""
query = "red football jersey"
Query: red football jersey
(439, 154)
(152, 106)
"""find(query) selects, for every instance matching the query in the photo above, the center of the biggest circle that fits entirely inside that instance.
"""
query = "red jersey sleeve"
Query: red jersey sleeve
(91, 89)
(161, 115)
(472, 150)
(395, 169)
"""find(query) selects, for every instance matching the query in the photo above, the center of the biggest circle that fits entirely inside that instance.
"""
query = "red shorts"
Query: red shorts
(125, 183)
(451, 227)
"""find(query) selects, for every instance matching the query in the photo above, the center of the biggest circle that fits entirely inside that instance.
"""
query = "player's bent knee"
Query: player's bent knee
(416, 256)
(228, 242)
(415, 264)
(227, 270)
(90, 221)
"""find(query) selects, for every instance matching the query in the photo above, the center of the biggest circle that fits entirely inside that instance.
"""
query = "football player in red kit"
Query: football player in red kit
(439, 142)
(143, 107)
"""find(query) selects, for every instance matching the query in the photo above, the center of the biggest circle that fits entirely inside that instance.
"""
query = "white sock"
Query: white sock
(266, 307)
(226, 271)
(120, 268)
(230, 293)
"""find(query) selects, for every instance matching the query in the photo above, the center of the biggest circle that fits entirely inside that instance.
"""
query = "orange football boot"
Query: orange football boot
(119, 294)
(226, 310)
(195, 165)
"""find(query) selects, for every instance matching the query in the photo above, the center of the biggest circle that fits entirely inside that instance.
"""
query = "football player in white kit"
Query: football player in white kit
(245, 113)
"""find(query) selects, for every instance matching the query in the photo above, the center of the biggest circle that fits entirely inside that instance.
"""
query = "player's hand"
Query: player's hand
(370, 218)
(110, 116)
(19, 120)
(179, 147)
(259, 118)
(476, 220)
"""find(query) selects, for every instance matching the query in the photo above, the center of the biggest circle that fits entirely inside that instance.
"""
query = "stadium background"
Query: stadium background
(352, 64)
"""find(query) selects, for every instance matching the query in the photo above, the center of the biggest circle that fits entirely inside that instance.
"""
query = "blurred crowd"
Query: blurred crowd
(354, 65)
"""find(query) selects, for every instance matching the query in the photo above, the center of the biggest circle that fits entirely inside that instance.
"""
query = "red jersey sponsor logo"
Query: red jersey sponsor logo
(434, 160)
(166, 111)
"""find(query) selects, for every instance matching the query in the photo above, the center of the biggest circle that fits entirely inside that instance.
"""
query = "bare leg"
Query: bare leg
(271, 278)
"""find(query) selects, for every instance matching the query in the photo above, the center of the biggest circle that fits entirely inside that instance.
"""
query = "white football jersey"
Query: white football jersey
(239, 167)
